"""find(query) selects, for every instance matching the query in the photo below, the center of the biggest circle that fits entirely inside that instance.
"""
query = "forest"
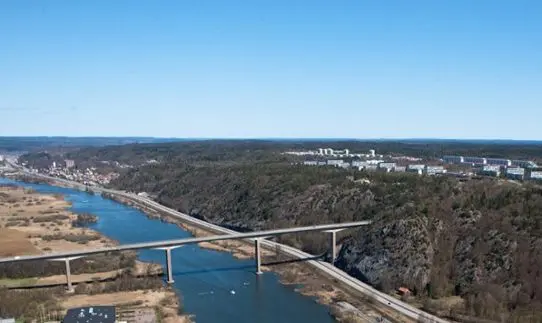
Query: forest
(222, 150)
(441, 237)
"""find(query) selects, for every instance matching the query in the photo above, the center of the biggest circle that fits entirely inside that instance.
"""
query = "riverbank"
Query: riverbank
(344, 305)
(32, 223)
(330, 292)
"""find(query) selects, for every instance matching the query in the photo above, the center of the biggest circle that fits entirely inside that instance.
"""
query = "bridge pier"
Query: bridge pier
(257, 256)
(169, 266)
(69, 284)
(68, 275)
(333, 245)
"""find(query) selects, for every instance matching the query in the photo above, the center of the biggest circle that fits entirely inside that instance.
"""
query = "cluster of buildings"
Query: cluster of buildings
(380, 165)
(88, 176)
(481, 161)
(497, 167)
(518, 173)
(91, 314)
(330, 152)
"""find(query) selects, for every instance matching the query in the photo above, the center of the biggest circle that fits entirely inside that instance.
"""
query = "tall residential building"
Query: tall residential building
(475, 160)
(453, 159)
(499, 162)
(524, 163)
(491, 170)
(433, 170)
(388, 167)
(69, 163)
(515, 173)
(536, 175)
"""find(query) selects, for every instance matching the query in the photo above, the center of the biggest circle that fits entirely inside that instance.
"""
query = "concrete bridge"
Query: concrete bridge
(169, 245)
(224, 234)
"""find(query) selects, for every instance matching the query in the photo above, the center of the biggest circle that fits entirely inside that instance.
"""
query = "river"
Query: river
(215, 286)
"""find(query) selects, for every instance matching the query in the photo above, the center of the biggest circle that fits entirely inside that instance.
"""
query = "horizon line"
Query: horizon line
(276, 138)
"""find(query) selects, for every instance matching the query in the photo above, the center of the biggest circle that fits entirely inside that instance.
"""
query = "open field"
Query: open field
(41, 221)
(32, 223)
(15, 242)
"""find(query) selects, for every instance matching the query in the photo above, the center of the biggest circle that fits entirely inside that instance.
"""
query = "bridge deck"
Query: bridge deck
(180, 242)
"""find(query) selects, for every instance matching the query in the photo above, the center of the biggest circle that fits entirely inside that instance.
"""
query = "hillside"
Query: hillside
(437, 236)
(475, 241)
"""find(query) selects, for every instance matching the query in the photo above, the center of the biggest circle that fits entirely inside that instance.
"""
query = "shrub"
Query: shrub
(79, 238)
(84, 220)
(51, 218)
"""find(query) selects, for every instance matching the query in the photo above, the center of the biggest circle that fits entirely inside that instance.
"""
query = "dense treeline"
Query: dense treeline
(438, 236)
(479, 240)
(68, 143)
(212, 151)
(235, 149)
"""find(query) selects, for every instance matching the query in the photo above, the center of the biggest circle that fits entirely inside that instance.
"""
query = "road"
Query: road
(179, 242)
(325, 268)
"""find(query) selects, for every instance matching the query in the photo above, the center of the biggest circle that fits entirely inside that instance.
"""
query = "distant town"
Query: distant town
(66, 170)
(371, 161)
(460, 166)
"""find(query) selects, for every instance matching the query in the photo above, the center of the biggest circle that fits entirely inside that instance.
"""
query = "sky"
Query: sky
(272, 68)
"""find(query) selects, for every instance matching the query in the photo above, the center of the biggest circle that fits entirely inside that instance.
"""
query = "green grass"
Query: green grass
(7, 282)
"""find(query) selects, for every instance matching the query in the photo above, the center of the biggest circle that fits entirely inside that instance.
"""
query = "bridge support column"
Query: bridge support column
(169, 267)
(333, 246)
(69, 285)
(68, 275)
(257, 256)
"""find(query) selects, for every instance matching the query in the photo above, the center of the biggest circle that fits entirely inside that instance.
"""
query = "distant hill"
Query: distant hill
(44, 143)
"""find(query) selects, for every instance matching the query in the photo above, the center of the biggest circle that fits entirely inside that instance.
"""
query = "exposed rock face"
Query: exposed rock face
(390, 252)
(480, 240)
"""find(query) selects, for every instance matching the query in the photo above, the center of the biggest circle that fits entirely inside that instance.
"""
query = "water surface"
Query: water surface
(215, 286)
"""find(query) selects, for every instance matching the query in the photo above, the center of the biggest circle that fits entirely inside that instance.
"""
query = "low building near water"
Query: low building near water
(94, 314)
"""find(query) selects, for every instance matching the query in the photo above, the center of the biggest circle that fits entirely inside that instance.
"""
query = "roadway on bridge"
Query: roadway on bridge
(325, 268)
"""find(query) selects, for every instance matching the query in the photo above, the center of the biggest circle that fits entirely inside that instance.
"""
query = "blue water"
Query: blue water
(205, 278)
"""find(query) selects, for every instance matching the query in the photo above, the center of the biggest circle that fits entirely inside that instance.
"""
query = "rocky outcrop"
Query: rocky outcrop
(390, 252)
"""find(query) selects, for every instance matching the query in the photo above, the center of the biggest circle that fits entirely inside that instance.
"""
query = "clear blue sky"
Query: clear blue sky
(272, 68)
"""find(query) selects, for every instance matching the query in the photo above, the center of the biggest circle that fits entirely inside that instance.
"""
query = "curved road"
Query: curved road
(325, 268)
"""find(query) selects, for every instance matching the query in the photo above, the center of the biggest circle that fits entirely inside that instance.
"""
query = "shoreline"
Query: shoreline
(34, 223)
(344, 305)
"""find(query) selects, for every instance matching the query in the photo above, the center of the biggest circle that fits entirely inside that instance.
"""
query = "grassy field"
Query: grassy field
(6, 282)
(15, 243)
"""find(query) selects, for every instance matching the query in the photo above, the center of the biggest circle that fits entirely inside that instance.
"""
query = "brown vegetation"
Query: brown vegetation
(13, 243)
(438, 236)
